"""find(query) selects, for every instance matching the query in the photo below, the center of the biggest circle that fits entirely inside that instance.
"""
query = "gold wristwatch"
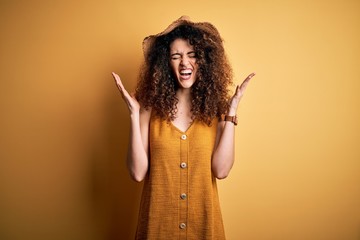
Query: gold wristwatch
(232, 119)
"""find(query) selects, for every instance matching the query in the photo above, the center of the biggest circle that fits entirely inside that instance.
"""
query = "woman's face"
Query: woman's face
(183, 62)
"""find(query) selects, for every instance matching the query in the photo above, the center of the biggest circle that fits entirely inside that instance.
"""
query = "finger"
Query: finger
(237, 95)
(247, 79)
(118, 81)
(121, 87)
(133, 95)
(236, 89)
(120, 84)
(116, 77)
(251, 75)
(246, 82)
(244, 85)
(126, 95)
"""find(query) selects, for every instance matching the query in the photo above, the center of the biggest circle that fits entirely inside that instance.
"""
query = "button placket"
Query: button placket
(184, 168)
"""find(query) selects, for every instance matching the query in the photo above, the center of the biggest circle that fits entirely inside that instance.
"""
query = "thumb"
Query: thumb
(133, 95)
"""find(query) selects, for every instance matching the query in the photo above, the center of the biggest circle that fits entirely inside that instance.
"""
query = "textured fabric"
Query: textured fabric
(180, 198)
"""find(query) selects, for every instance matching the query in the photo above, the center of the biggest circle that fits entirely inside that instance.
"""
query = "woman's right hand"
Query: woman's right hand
(132, 103)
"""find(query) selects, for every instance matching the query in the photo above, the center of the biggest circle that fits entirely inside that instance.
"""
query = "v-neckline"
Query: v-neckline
(178, 129)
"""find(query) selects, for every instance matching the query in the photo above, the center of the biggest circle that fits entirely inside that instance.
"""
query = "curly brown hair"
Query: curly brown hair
(157, 84)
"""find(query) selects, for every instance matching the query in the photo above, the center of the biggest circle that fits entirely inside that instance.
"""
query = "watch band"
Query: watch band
(232, 119)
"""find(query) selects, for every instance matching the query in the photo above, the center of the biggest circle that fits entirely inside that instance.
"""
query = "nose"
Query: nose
(184, 61)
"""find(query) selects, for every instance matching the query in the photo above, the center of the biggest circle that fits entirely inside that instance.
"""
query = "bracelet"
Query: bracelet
(232, 119)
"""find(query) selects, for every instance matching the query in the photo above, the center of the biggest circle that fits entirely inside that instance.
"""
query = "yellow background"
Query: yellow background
(64, 126)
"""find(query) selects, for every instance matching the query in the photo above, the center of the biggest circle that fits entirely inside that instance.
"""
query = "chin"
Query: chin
(187, 84)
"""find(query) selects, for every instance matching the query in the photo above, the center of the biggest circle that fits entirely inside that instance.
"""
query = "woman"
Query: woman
(182, 131)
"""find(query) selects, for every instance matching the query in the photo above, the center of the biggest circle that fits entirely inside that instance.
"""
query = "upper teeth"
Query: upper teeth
(185, 71)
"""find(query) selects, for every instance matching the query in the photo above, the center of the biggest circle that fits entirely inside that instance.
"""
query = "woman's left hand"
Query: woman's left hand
(239, 92)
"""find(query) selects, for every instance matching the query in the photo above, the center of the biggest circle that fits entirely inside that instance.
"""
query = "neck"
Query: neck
(184, 105)
(184, 95)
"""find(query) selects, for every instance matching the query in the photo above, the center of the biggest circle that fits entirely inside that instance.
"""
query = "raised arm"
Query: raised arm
(223, 155)
(137, 158)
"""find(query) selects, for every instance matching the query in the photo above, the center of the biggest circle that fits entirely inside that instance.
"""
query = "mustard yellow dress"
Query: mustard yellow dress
(180, 197)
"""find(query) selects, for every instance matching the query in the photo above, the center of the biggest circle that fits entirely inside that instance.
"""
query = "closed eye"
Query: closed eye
(191, 54)
(175, 56)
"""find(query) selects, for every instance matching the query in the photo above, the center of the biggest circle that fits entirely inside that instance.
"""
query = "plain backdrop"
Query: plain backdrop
(64, 127)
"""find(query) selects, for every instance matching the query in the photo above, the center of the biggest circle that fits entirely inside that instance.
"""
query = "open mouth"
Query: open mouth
(185, 74)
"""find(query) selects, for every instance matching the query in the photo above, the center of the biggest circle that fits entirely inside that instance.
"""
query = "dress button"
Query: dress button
(182, 225)
(183, 137)
(183, 196)
(183, 165)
